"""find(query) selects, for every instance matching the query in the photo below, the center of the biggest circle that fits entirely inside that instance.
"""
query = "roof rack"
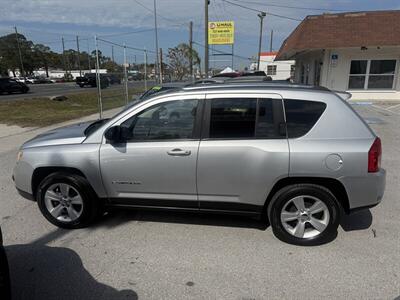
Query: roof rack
(231, 84)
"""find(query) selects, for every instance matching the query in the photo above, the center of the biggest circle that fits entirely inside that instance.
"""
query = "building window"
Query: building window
(372, 74)
(292, 70)
(271, 70)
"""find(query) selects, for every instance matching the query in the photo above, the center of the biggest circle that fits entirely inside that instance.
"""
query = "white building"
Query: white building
(278, 70)
(354, 52)
(58, 74)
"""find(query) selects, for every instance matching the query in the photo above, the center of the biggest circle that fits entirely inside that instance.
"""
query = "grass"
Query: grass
(39, 112)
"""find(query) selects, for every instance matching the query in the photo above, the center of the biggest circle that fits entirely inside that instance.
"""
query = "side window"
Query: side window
(301, 116)
(165, 121)
(233, 118)
(270, 121)
(246, 118)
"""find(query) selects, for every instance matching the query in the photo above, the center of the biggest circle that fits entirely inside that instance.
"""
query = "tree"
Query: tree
(36, 56)
(179, 60)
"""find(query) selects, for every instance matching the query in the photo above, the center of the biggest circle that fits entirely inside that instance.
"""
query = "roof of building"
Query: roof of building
(271, 53)
(353, 29)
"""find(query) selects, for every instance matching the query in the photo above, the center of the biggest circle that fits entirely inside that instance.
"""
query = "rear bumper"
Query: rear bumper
(366, 191)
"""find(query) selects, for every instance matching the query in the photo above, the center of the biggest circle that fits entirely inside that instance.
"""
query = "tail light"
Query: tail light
(374, 156)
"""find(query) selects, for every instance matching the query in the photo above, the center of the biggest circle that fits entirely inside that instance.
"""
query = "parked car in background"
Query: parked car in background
(43, 80)
(30, 80)
(295, 155)
(159, 89)
(227, 75)
(19, 79)
(113, 78)
(10, 86)
(135, 75)
(89, 79)
(5, 287)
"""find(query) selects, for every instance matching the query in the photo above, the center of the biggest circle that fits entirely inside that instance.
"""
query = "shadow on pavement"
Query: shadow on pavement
(42, 272)
(357, 221)
(117, 217)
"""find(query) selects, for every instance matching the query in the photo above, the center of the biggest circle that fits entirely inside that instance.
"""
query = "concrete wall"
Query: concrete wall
(334, 73)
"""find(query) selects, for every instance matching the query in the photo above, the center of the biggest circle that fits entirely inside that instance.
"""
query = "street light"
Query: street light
(261, 15)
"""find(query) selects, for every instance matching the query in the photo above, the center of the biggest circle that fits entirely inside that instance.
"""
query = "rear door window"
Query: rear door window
(246, 118)
(301, 116)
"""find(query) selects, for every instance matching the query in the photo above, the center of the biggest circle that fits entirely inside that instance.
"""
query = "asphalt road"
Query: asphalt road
(55, 89)
(164, 255)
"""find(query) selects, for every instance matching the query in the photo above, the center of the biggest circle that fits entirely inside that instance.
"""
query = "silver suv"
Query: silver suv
(298, 156)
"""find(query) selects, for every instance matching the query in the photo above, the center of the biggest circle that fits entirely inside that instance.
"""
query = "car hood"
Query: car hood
(72, 134)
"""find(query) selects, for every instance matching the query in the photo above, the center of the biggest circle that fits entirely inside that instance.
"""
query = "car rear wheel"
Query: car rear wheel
(304, 214)
(67, 200)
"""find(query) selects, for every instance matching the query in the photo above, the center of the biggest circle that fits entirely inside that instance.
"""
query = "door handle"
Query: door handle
(179, 152)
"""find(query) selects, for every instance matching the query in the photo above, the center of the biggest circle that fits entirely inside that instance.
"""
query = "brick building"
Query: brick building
(357, 52)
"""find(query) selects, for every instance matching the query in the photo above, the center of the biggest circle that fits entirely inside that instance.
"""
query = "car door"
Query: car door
(157, 165)
(243, 151)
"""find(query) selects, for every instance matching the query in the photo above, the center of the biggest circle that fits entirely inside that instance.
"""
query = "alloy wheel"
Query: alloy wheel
(305, 216)
(63, 202)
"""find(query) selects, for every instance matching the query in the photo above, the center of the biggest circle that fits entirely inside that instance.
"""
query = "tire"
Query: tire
(61, 190)
(5, 287)
(294, 223)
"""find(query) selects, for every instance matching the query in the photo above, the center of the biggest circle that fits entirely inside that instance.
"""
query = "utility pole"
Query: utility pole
(22, 71)
(206, 3)
(79, 56)
(270, 41)
(261, 15)
(156, 37)
(191, 49)
(112, 53)
(64, 61)
(161, 66)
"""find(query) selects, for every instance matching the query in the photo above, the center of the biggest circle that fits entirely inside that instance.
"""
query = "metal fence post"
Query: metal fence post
(125, 77)
(98, 81)
(145, 69)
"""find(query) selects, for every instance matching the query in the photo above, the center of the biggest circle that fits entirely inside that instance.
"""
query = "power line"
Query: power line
(290, 7)
(126, 33)
(162, 17)
(257, 10)
(124, 46)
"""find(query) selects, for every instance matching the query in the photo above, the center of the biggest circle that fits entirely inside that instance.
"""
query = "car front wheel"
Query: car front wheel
(304, 214)
(67, 200)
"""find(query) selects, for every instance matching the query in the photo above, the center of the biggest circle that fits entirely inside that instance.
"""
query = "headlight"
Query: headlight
(19, 155)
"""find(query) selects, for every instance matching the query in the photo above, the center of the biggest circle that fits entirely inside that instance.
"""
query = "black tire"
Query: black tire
(283, 196)
(5, 287)
(91, 207)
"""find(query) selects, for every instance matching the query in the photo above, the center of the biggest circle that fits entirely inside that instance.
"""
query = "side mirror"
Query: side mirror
(117, 134)
(113, 134)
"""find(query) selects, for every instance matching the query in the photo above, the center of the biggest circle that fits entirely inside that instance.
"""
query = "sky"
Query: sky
(132, 22)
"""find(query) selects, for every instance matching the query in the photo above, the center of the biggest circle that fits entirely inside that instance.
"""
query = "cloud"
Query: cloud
(128, 13)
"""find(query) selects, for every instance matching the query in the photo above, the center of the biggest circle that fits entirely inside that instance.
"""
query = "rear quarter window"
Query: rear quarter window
(301, 116)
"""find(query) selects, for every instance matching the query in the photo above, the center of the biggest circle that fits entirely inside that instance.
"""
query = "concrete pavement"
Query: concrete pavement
(164, 255)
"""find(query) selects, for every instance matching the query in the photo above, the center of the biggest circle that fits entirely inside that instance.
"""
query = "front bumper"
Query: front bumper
(22, 177)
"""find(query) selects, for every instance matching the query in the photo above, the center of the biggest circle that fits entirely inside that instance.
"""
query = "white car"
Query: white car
(20, 79)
